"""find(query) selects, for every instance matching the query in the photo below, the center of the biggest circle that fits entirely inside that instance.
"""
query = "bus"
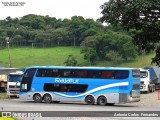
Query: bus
(91, 85)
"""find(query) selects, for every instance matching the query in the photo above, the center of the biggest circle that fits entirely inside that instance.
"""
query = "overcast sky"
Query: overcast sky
(53, 8)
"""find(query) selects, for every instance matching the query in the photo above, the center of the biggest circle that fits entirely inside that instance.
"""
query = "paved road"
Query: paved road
(149, 102)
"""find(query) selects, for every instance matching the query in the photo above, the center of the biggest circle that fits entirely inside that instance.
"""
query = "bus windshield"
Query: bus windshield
(14, 78)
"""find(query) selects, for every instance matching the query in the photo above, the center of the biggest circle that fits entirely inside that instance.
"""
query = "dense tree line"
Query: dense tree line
(97, 42)
(141, 18)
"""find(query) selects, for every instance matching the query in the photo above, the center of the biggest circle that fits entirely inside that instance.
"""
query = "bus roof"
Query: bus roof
(75, 67)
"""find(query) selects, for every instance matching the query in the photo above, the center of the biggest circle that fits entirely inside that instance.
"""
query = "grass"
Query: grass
(22, 57)
(26, 56)
(139, 62)
(4, 96)
(7, 118)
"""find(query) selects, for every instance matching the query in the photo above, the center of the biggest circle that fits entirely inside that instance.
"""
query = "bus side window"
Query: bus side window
(107, 74)
(51, 73)
(85, 74)
(67, 74)
(40, 73)
(69, 89)
(96, 74)
(63, 88)
(59, 74)
(76, 75)
(121, 74)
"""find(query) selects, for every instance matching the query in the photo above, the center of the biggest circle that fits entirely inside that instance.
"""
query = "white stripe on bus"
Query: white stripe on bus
(95, 90)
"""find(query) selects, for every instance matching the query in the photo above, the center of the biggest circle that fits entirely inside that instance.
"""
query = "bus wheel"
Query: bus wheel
(89, 100)
(37, 98)
(47, 98)
(102, 100)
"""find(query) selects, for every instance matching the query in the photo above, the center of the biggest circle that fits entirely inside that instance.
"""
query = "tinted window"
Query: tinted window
(27, 79)
(66, 73)
(29, 73)
(107, 74)
(65, 87)
(14, 78)
(121, 74)
(143, 74)
(46, 73)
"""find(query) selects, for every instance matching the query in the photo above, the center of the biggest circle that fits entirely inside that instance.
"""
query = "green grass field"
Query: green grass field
(26, 56)
(22, 57)
(3, 95)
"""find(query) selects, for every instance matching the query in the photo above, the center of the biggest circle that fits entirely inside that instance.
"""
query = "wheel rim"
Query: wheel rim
(102, 100)
(37, 98)
(48, 99)
(90, 100)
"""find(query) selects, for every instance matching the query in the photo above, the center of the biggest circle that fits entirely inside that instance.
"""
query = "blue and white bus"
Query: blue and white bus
(101, 85)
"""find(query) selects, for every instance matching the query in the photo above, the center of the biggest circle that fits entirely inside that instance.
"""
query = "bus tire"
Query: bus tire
(47, 98)
(102, 100)
(89, 100)
(37, 98)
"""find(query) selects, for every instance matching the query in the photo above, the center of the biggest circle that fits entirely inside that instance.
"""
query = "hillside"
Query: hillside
(26, 56)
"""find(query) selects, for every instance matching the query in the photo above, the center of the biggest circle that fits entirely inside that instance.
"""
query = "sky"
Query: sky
(54, 8)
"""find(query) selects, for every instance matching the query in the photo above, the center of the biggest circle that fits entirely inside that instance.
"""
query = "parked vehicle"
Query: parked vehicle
(3, 83)
(150, 79)
(146, 84)
(13, 83)
(3, 77)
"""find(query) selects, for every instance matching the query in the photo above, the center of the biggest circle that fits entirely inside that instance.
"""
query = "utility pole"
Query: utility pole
(9, 54)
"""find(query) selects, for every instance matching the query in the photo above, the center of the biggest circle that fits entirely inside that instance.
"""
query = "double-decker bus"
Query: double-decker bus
(101, 85)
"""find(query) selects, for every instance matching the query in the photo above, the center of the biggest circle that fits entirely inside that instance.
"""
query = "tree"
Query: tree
(76, 28)
(113, 57)
(102, 46)
(60, 35)
(88, 48)
(122, 44)
(142, 15)
(71, 61)
(33, 21)
(90, 55)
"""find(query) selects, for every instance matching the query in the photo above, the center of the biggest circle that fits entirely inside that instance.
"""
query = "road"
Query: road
(149, 102)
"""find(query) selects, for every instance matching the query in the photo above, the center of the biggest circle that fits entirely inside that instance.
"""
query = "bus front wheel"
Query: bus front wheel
(90, 100)
(102, 100)
(47, 98)
(37, 98)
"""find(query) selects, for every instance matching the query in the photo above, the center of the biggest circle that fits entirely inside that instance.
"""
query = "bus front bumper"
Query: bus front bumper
(135, 99)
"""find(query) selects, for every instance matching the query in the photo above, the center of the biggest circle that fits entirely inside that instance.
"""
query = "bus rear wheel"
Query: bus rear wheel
(37, 98)
(47, 98)
(102, 100)
(89, 100)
